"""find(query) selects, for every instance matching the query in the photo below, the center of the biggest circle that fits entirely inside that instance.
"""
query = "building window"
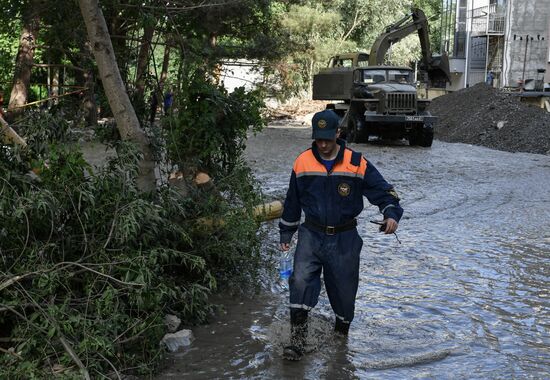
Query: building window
(460, 45)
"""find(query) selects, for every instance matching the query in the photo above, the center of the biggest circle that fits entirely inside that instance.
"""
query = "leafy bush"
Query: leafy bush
(90, 266)
(210, 126)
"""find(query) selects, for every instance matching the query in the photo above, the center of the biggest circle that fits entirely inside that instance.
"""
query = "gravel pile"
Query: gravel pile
(482, 115)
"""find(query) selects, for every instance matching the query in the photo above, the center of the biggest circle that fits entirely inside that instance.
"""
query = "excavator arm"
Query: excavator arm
(437, 67)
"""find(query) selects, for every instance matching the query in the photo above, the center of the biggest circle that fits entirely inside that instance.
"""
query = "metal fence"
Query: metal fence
(489, 19)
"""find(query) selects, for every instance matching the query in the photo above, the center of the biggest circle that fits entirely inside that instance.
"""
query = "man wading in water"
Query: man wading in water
(328, 182)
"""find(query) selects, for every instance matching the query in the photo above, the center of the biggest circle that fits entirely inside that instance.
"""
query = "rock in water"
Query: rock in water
(172, 323)
(180, 339)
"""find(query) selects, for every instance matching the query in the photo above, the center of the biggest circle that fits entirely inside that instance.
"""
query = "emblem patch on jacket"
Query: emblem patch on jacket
(344, 189)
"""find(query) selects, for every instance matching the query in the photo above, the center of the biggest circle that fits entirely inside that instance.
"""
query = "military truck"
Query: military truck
(380, 100)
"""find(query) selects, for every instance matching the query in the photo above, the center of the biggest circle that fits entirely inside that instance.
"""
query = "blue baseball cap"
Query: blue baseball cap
(325, 125)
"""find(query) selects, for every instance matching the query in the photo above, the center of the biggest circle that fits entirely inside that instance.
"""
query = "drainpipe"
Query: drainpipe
(486, 59)
(504, 80)
(468, 31)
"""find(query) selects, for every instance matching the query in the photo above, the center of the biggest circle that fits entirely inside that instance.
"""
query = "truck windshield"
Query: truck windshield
(393, 75)
(374, 76)
(400, 76)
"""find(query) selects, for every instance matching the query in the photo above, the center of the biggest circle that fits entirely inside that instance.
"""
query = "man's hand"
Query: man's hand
(391, 226)
(284, 246)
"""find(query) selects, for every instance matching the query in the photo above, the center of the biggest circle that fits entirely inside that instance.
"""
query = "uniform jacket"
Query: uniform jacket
(336, 197)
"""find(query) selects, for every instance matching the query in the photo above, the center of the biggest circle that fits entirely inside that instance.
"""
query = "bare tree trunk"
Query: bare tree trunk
(86, 79)
(143, 59)
(90, 105)
(54, 84)
(24, 61)
(125, 116)
(165, 64)
(216, 73)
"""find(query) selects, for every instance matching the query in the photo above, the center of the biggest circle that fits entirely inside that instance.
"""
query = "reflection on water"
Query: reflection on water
(465, 296)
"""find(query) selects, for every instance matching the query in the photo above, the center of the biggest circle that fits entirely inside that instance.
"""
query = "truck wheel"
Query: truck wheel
(353, 135)
(351, 131)
(414, 139)
(426, 138)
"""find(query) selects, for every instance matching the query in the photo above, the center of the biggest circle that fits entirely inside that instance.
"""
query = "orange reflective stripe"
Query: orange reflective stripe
(347, 169)
(307, 164)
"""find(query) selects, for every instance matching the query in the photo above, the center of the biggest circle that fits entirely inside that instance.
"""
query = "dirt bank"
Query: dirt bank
(482, 115)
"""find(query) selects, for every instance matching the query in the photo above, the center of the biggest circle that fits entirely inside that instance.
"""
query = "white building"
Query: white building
(241, 73)
(510, 38)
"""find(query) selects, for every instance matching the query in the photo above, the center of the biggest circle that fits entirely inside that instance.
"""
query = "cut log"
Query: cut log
(202, 179)
(263, 213)
(268, 211)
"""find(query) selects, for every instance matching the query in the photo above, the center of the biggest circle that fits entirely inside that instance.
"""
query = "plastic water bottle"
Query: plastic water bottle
(285, 264)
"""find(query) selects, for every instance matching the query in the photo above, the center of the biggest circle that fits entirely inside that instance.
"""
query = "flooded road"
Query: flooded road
(466, 294)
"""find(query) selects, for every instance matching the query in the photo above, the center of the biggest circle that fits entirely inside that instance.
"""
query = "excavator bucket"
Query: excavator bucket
(438, 71)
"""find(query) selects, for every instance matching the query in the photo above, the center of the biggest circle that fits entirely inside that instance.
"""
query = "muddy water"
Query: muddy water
(466, 294)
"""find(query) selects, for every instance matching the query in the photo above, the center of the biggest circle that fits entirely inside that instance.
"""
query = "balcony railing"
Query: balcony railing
(488, 19)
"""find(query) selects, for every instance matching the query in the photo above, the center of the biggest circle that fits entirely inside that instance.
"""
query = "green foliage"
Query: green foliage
(43, 128)
(90, 263)
(9, 43)
(314, 37)
(210, 127)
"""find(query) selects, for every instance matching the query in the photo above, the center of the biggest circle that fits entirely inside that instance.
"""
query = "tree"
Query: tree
(143, 58)
(25, 57)
(364, 20)
(123, 111)
(314, 36)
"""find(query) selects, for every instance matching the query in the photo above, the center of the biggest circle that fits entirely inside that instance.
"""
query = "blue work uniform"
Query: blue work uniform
(328, 240)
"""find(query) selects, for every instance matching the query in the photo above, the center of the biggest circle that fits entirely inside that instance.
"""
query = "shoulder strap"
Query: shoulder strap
(356, 158)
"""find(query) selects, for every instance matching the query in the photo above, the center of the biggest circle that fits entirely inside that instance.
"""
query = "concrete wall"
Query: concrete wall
(457, 82)
(526, 17)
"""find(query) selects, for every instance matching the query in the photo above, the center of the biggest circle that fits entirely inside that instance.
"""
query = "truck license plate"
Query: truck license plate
(414, 118)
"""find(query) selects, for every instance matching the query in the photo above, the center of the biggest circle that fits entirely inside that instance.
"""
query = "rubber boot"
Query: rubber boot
(298, 335)
(341, 327)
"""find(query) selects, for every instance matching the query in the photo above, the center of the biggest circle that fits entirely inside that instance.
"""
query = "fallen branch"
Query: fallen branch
(9, 340)
(65, 264)
(15, 279)
(111, 364)
(80, 89)
(102, 274)
(11, 134)
(15, 354)
(76, 359)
